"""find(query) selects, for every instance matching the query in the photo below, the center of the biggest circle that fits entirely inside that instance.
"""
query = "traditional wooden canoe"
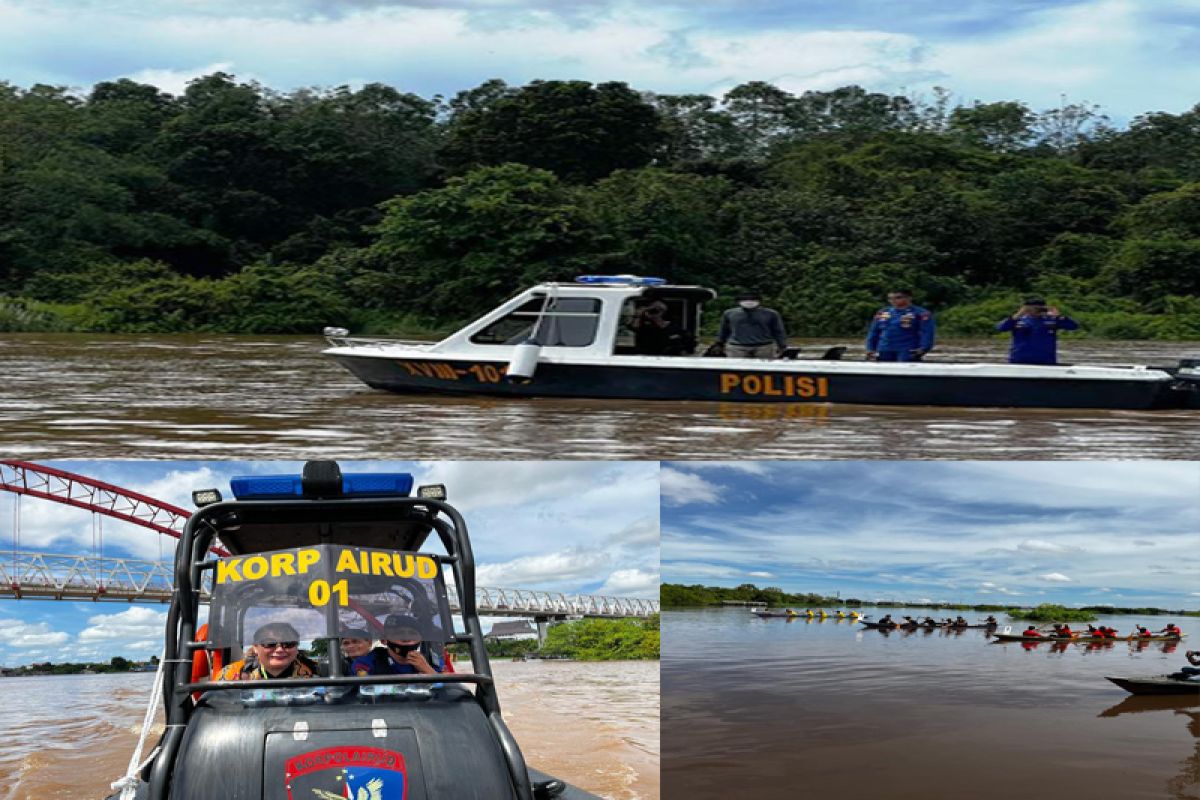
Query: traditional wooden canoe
(1159, 684)
(1016, 637)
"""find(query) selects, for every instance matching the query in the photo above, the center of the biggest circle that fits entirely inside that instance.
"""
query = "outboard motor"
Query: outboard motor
(524, 361)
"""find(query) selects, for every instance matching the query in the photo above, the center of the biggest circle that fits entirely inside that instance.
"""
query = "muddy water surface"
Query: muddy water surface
(593, 725)
(272, 397)
(788, 709)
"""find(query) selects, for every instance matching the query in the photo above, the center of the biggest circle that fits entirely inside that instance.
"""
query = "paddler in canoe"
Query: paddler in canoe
(1171, 630)
(1191, 673)
(1032, 632)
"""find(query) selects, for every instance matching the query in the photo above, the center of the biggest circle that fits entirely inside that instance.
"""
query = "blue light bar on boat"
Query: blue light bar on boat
(620, 280)
(282, 487)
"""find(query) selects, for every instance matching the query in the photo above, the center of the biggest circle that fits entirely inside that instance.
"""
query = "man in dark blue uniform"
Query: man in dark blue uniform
(900, 332)
(1035, 328)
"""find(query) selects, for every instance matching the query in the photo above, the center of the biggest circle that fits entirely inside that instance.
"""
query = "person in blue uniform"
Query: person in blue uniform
(404, 652)
(1035, 328)
(900, 332)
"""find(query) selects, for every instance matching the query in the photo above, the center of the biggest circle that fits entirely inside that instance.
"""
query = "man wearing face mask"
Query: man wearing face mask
(404, 651)
(751, 331)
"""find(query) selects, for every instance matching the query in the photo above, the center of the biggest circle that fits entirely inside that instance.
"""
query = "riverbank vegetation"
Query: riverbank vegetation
(116, 664)
(582, 640)
(1048, 612)
(675, 595)
(237, 208)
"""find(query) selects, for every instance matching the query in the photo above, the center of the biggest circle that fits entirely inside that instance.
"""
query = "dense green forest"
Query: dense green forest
(234, 207)
(677, 595)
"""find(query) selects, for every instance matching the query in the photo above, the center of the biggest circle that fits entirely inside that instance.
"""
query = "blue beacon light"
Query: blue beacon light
(280, 487)
(620, 280)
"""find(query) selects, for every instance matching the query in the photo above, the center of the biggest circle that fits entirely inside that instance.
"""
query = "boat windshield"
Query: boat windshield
(329, 591)
(564, 322)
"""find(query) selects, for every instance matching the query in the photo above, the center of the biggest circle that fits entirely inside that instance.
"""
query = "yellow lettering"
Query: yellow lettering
(729, 381)
(283, 564)
(769, 386)
(403, 565)
(752, 384)
(347, 562)
(411, 369)
(380, 565)
(426, 568)
(227, 570)
(822, 387)
(255, 567)
(307, 559)
(805, 387)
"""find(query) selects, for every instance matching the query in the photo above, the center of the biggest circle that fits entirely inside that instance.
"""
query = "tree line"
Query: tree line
(677, 595)
(237, 208)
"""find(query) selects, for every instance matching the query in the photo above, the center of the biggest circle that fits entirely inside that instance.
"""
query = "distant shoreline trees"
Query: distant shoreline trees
(676, 595)
(237, 208)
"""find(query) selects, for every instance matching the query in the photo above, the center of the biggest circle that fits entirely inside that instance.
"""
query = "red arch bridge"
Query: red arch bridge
(94, 576)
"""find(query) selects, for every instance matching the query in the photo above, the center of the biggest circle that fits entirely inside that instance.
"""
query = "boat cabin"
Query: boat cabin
(597, 315)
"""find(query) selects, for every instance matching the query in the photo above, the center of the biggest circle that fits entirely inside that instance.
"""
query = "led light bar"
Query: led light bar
(620, 280)
(281, 487)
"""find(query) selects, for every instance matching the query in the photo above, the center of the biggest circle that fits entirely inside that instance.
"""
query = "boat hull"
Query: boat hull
(1158, 685)
(807, 382)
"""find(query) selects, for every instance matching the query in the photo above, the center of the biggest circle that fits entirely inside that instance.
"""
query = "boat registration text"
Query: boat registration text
(772, 385)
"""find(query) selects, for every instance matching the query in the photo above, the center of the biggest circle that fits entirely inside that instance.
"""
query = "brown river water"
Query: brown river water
(269, 397)
(794, 709)
(594, 725)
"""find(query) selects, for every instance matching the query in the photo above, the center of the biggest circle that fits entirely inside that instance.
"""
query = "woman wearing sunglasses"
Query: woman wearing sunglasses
(274, 654)
(404, 651)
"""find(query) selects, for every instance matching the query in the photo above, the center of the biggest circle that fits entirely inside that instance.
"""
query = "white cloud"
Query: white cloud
(1055, 577)
(631, 583)
(20, 635)
(761, 575)
(683, 488)
(175, 81)
(134, 624)
(1039, 546)
(550, 569)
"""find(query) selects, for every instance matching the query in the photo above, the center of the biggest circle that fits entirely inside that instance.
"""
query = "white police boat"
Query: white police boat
(579, 340)
(326, 555)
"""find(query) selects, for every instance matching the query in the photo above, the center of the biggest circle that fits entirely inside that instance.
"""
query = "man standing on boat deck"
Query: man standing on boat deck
(1035, 328)
(900, 332)
(751, 331)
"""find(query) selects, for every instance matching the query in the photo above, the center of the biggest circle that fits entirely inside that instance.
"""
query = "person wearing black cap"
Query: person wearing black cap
(1035, 328)
(405, 651)
(751, 331)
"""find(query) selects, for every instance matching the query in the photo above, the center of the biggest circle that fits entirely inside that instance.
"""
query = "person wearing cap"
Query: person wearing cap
(751, 331)
(274, 654)
(404, 653)
(1035, 328)
(901, 331)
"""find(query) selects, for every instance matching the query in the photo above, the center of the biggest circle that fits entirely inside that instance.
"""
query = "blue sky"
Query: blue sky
(1119, 533)
(1130, 56)
(589, 527)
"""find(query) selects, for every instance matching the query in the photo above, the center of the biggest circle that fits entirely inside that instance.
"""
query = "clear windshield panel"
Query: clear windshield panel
(564, 322)
(329, 591)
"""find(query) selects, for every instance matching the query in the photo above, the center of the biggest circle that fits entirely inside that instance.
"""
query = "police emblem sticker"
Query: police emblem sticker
(347, 773)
